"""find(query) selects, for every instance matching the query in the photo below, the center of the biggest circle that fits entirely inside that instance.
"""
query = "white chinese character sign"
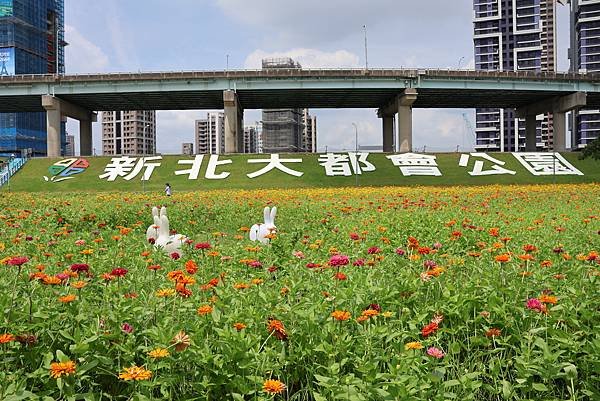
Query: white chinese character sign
(416, 164)
(206, 168)
(478, 166)
(127, 168)
(540, 164)
(345, 164)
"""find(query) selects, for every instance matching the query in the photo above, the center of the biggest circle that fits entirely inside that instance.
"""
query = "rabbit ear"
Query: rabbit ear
(273, 214)
(267, 214)
(164, 226)
(157, 221)
(163, 211)
(155, 211)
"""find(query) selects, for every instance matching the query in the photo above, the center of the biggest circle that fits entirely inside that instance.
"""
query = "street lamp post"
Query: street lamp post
(366, 49)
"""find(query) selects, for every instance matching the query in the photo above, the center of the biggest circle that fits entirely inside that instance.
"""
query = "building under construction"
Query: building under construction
(284, 130)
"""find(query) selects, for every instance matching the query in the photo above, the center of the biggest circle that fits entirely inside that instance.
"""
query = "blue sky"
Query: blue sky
(153, 35)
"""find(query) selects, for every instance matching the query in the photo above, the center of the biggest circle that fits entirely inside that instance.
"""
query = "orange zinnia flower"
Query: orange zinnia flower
(135, 373)
(6, 338)
(341, 315)
(67, 298)
(413, 345)
(503, 258)
(191, 267)
(273, 387)
(548, 299)
(239, 326)
(276, 328)
(59, 369)
(493, 332)
(204, 310)
(158, 353)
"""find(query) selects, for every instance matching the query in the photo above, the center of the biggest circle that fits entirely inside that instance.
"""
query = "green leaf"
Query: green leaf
(451, 383)
(507, 389)
(61, 356)
(539, 387)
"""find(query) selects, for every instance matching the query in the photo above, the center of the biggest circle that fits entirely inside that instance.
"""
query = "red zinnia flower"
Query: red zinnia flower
(18, 260)
(80, 267)
(119, 272)
(373, 250)
(429, 329)
(202, 245)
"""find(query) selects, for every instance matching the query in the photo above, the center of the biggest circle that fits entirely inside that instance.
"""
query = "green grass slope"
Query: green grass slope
(31, 177)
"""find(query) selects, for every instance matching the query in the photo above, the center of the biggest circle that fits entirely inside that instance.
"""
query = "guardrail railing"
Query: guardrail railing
(11, 167)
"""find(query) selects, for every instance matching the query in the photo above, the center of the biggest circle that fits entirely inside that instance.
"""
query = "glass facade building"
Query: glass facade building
(585, 57)
(512, 35)
(31, 42)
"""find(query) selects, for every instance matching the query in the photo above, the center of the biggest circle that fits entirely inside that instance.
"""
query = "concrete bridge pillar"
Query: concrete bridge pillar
(558, 106)
(85, 137)
(405, 102)
(560, 132)
(530, 133)
(388, 131)
(56, 108)
(234, 123)
(53, 128)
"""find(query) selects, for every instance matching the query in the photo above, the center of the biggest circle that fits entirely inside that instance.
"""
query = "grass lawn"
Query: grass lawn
(31, 177)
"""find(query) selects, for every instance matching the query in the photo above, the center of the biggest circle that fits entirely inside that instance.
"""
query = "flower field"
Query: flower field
(479, 293)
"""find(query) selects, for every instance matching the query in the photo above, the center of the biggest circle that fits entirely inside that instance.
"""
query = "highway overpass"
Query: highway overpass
(392, 92)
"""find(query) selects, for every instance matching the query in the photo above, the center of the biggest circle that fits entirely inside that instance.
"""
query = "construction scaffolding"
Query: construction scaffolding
(32, 42)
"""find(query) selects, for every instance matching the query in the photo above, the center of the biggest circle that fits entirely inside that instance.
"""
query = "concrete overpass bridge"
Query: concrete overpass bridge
(392, 92)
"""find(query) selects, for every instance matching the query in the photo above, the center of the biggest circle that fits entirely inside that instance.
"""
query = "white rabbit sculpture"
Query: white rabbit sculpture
(259, 232)
(170, 244)
(152, 231)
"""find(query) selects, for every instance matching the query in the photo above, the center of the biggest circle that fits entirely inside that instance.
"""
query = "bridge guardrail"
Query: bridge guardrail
(276, 73)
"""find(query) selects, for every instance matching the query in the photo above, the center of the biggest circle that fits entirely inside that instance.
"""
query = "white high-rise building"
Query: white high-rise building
(210, 134)
(513, 35)
(129, 132)
(585, 57)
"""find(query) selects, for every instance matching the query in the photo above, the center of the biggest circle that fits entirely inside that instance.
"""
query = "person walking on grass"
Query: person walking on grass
(168, 189)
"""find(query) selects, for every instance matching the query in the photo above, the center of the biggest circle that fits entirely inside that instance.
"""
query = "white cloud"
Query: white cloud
(175, 127)
(308, 58)
(83, 55)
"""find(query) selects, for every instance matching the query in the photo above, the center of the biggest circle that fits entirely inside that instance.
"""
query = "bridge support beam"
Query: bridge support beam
(558, 106)
(56, 108)
(402, 105)
(234, 123)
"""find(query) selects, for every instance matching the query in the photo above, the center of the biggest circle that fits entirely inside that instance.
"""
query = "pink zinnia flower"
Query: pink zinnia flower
(359, 262)
(255, 264)
(354, 236)
(435, 352)
(437, 245)
(298, 254)
(339, 260)
(127, 328)
(534, 304)
(429, 264)
(400, 251)
(80, 242)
